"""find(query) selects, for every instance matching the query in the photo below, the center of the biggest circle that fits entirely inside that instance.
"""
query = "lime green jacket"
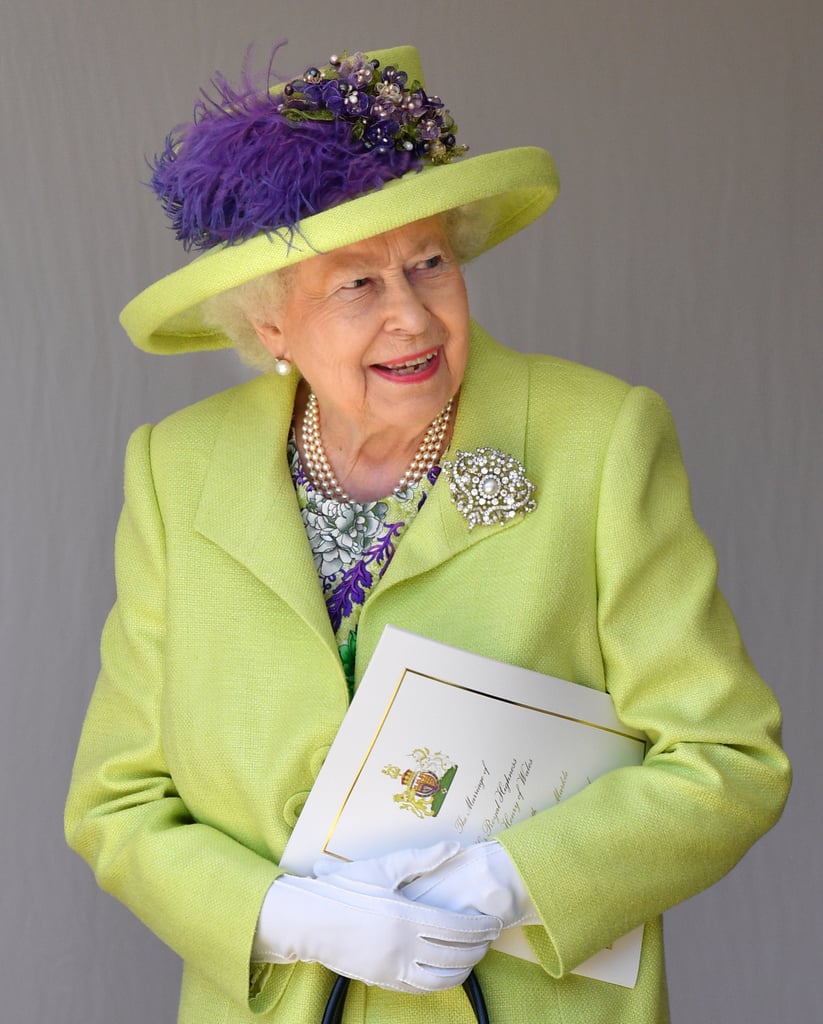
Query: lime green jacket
(221, 687)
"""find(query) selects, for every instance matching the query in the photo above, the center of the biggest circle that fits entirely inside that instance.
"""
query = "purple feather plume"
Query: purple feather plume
(250, 162)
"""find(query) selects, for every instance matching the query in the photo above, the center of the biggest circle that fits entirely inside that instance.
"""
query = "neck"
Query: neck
(370, 465)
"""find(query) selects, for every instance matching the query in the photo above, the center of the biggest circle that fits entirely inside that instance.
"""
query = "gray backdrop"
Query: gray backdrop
(684, 253)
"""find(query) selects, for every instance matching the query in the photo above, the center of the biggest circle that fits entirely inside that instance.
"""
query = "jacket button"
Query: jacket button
(293, 806)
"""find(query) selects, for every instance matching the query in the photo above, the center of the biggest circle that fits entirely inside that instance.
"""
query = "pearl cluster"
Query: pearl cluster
(322, 475)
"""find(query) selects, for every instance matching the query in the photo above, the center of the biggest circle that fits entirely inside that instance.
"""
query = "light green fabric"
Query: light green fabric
(221, 686)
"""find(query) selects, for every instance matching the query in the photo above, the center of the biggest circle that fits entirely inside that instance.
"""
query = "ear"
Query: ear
(272, 339)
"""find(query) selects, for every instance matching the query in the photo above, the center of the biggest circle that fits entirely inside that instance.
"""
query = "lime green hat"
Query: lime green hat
(266, 178)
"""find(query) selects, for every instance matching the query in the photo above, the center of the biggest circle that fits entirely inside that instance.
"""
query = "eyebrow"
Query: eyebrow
(339, 260)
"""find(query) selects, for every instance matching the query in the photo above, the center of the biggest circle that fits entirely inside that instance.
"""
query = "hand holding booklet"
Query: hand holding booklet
(441, 743)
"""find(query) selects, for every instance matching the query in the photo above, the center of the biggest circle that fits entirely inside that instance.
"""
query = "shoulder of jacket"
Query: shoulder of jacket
(560, 374)
(544, 370)
(198, 424)
(181, 446)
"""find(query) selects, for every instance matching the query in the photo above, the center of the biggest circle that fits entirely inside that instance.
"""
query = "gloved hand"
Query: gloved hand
(391, 870)
(370, 931)
(479, 879)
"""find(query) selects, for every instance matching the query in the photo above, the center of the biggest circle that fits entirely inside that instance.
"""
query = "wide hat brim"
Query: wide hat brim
(511, 188)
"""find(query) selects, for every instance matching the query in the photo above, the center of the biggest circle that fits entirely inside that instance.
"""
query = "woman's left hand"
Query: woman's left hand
(479, 879)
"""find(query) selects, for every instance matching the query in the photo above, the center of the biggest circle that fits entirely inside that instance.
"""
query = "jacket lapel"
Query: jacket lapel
(248, 505)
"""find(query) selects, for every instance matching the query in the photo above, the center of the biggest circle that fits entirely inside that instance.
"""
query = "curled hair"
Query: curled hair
(235, 311)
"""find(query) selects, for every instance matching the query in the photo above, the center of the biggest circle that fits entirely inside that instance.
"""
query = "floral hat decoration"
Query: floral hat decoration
(263, 178)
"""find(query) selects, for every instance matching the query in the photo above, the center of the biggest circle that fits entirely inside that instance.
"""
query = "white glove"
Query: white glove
(480, 879)
(370, 932)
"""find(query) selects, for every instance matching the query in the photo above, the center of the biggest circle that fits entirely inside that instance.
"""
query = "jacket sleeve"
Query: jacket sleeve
(639, 840)
(195, 887)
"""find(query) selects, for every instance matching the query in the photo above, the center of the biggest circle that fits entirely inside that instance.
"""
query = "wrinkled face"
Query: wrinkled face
(379, 329)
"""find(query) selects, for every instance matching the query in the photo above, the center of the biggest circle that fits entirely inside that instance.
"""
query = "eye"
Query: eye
(432, 263)
(358, 282)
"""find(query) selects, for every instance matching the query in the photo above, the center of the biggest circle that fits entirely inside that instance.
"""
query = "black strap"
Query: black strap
(337, 1000)
(471, 986)
(334, 1007)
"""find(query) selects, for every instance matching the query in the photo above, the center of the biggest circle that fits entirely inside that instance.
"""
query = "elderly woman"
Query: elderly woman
(270, 533)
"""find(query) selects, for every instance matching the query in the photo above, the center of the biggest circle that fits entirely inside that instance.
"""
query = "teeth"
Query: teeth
(413, 364)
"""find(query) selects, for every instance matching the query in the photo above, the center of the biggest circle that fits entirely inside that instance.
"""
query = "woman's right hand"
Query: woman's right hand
(479, 879)
(371, 932)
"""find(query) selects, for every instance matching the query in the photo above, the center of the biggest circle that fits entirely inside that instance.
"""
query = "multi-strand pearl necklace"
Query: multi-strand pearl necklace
(322, 475)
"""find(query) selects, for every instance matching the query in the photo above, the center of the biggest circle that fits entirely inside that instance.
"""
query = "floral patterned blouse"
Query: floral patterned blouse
(353, 543)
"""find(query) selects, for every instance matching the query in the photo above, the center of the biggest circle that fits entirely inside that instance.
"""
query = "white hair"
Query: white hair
(234, 313)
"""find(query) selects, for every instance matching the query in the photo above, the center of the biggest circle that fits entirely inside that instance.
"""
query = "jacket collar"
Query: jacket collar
(248, 506)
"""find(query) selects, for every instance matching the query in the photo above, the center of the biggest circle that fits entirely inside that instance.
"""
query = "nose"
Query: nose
(404, 311)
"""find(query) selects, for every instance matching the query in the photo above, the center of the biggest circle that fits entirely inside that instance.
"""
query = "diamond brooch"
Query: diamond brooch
(489, 487)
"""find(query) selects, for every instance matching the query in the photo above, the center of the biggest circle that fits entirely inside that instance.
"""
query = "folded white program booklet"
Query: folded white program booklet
(440, 744)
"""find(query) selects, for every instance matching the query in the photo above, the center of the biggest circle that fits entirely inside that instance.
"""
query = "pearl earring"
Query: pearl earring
(283, 367)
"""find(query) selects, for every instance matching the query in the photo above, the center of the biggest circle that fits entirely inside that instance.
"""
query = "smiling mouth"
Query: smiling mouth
(409, 366)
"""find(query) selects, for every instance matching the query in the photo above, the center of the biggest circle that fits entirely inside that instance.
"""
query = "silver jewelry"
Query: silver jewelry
(322, 475)
(282, 366)
(489, 486)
